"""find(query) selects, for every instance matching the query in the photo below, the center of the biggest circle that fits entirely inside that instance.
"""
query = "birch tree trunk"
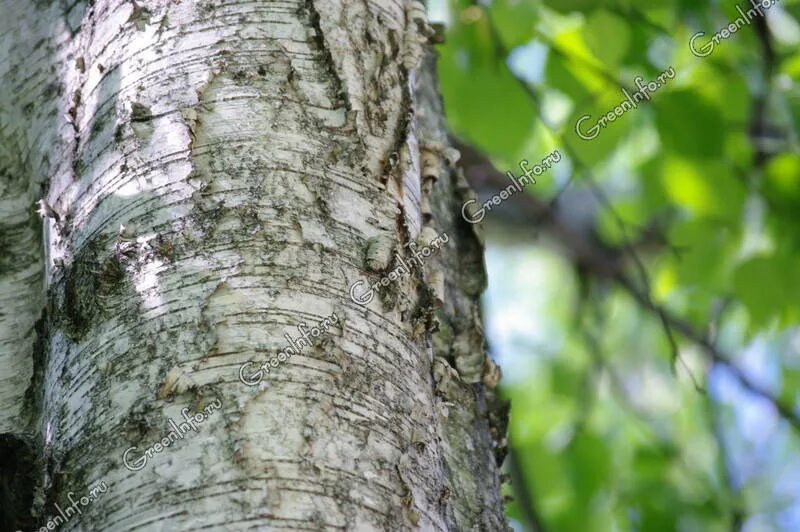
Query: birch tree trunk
(215, 175)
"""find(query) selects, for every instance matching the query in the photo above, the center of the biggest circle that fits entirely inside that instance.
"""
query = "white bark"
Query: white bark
(216, 172)
(28, 55)
(20, 232)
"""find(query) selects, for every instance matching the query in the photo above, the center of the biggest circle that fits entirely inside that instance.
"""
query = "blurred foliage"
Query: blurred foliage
(610, 432)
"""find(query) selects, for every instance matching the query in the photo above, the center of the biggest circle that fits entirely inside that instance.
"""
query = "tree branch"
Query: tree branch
(588, 254)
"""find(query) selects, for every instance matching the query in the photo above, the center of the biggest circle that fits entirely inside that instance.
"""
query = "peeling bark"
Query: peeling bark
(215, 175)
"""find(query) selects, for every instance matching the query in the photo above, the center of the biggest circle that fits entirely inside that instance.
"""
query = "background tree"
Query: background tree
(642, 297)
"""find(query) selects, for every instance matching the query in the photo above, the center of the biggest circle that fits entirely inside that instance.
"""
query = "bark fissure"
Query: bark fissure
(17, 483)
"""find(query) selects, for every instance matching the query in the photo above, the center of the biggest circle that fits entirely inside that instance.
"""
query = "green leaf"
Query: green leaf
(590, 462)
(768, 287)
(689, 124)
(782, 180)
(608, 36)
(704, 189)
(592, 136)
(515, 21)
(484, 103)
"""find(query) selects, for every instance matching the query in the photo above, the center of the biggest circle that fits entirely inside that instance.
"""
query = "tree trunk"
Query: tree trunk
(216, 177)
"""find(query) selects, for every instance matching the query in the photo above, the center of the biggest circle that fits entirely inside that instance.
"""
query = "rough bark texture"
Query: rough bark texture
(28, 128)
(215, 174)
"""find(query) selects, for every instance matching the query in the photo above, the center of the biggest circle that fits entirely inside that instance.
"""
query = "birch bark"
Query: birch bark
(215, 174)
